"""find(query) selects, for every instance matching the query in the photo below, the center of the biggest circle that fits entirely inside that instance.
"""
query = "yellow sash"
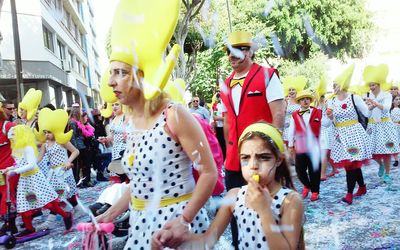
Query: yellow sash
(30, 173)
(140, 204)
(346, 123)
(387, 119)
(58, 166)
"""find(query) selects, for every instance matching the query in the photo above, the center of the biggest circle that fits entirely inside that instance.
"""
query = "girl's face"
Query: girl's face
(394, 91)
(49, 135)
(396, 101)
(121, 80)
(292, 92)
(116, 107)
(23, 113)
(85, 119)
(374, 87)
(257, 158)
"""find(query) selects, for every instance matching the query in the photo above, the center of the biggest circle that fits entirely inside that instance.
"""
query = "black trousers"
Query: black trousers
(219, 131)
(234, 179)
(309, 176)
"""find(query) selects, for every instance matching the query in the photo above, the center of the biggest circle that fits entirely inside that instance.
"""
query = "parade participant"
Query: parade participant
(159, 165)
(291, 86)
(28, 107)
(381, 129)
(6, 161)
(394, 89)
(56, 145)
(351, 146)
(395, 116)
(324, 139)
(33, 190)
(264, 206)
(116, 137)
(252, 93)
(304, 120)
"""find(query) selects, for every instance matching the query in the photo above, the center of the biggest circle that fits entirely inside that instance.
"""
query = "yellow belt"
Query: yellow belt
(140, 204)
(346, 123)
(58, 166)
(30, 172)
(387, 119)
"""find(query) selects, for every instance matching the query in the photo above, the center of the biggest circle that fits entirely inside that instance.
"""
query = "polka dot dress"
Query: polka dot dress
(326, 127)
(349, 143)
(251, 234)
(62, 181)
(290, 109)
(157, 167)
(118, 131)
(33, 191)
(384, 136)
(395, 115)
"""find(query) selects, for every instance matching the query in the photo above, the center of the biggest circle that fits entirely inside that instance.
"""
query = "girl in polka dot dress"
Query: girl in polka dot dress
(33, 190)
(162, 193)
(395, 116)
(268, 211)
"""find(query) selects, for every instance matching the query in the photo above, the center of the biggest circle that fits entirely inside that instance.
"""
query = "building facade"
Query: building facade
(58, 50)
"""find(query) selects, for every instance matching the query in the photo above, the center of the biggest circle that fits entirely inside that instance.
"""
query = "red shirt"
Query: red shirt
(6, 159)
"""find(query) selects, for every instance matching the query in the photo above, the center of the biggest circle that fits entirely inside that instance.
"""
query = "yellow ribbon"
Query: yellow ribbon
(346, 123)
(30, 173)
(387, 119)
(58, 166)
(139, 204)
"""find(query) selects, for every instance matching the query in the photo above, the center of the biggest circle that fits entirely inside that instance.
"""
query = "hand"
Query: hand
(179, 231)
(329, 113)
(68, 165)
(159, 238)
(102, 140)
(257, 197)
(105, 217)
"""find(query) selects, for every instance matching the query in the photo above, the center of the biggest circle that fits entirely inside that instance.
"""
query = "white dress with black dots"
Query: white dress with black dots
(33, 191)
(118, 130)
(62, 180)
(326, 125)
(151, 153)
(395, 115)
(290, 109)
(250, 232)
(349, 143)
(383, 133)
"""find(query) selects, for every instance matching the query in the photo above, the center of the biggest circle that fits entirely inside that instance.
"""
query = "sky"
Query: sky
(103, 15)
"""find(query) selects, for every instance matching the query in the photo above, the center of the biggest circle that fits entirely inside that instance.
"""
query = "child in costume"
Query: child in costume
(304, 120)
(268, 211)
(56, 147)
(395, 116)
(33, 190)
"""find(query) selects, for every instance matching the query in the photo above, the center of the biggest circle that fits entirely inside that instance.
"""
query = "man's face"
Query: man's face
(239, 56)
(195, 102)
(9, 109)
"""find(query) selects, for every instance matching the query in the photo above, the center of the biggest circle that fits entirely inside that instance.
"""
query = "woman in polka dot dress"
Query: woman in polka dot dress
(291, 105)
(33, 190)
(395, 116)
(351, 146)
(163, 193)
(268, 211)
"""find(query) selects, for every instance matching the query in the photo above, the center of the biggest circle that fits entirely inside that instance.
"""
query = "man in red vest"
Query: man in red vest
(305, 127)
(251, 93)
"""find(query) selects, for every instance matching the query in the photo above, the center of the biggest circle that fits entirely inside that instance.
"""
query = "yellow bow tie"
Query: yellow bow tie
(234, 82)
(301, 112)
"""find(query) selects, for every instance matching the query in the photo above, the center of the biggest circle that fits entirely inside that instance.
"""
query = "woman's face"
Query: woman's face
(394, 91)
(336, 88)
(116, 107)
(374, 86)
(85, 119)
(292, 92)
(121, 80)
(23, 113)
(396, 101)
(257, 158)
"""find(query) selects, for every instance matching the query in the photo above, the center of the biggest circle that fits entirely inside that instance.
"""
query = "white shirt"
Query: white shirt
(273, 88)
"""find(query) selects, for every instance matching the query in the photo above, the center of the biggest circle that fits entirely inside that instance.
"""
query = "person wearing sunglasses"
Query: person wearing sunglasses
(10, 110)
(251, 93)
(197, 109)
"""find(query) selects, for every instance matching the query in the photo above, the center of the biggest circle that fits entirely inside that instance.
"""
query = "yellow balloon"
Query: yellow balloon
(106, 92)
(297, 82)
(107, 112)
(176, 90)
(30, 103)
(140, 33)
(54, 121)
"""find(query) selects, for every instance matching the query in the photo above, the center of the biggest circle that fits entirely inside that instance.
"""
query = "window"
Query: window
(81, 38)
(61, 49)
(76, 33)
(48, 39)
(85, 72)
(71, 59)
(78, 66)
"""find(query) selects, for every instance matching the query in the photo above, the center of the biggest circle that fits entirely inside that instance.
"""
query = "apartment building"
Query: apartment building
(58, 50)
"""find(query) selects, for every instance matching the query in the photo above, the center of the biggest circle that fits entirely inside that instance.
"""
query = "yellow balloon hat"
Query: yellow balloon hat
(266, 129)
(303, 94)
(322, 86)
(54, 121)
(376, 74)
(344, 78)
(391, 84)
(176, 90)
(240, 38)
(297, 82)
(140, 33)
(107, 112)
(30, 102)
(106, 92)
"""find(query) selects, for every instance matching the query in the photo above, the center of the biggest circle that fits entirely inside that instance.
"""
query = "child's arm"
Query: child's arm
(285, 235)
(74, 153)
(30, 158)
(41, 152)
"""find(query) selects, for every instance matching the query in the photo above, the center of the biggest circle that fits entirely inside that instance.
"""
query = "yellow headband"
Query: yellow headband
(267, 130)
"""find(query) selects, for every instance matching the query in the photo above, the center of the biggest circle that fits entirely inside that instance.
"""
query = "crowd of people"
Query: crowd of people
(155, 145)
